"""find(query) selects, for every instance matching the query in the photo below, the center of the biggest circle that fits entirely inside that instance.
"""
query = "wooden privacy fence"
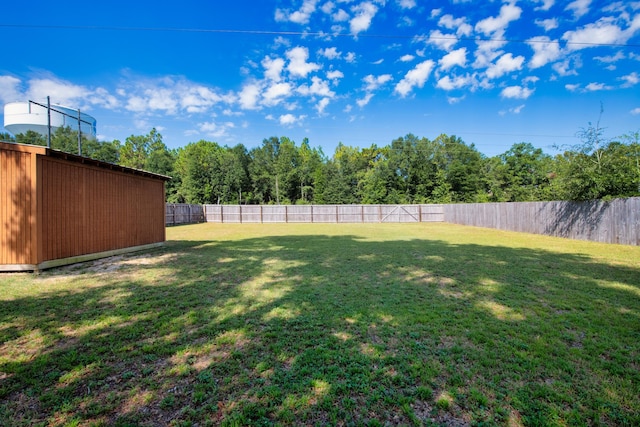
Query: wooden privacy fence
(182, 213)
(617, 221)
(322, 213)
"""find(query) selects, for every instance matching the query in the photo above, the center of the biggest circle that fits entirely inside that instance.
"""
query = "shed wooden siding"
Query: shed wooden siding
(55, 206)
(18, 232)
(87, 210)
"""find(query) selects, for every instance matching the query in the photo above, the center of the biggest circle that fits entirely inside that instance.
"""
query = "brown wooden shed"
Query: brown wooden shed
(58, 208)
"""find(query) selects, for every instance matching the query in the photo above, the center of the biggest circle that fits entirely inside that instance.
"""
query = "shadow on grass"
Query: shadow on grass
(325, 330)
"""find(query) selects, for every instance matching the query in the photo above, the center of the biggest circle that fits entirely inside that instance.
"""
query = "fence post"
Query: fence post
(240, 208)
(337, 214)
(286, 215)
(420, 213)
(312, 214)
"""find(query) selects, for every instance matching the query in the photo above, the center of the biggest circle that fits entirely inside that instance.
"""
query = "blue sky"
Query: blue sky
(360, 72)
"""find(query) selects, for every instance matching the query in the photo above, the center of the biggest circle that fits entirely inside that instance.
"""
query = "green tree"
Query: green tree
(274, 171)
(341, 176)
(461, 165)
(136, 148)
(31, 137)
(520, 174)
(599, 168)
(7, 137)
(310, 161)
(196, 165)
(104, 151)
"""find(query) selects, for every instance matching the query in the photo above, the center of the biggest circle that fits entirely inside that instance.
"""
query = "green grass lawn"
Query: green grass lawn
(325, 324)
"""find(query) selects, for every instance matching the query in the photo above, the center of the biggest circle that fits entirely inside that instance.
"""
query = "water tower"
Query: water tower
(20, 117)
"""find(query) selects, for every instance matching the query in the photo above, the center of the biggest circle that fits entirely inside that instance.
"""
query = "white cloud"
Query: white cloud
(405, 21)
(215, 130)
(318, 87)
(290, 119)
(611, 58)
(514, 110)
(10, 89)
(407, 58)
(298, 65)
(136, 104)
(231, 113)
(103, 98)
(489, 50)
(171, 95)
(373, 83)
(275, 93)
(364, 101)
(569, 66)
(506, 64)
(350, 57)
(448, 83)
(630, 79)
(579, 8)
(273, 68)
(546, 4)
(340, 16)
(508, 13)
(300, 16)
(321, 105)
(594, 87)
(451, 59)
(330, 53)
(195, 98)
(545, 51)
(163, 99)
(516, 92)
(603, 31)
(454, 100)
(547, 24)
(249, 96)
(635, 111)
(440, 40)
(335, 74)
(415, 78)
(458, 24)
(407, 4)
(364, 13)
(620, 6)
(572, 87)
(60, 91)
(328, 7)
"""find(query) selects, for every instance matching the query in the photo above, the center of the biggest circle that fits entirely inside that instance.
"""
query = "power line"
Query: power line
(311, 33)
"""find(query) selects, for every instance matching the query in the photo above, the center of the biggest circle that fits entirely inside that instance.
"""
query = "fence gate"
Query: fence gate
(401, 213)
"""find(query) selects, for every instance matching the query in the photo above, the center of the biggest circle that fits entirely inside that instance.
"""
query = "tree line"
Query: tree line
(408, 170)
